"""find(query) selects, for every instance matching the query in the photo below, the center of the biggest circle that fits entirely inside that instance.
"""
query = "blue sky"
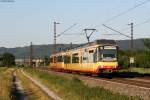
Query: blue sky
(24, 21)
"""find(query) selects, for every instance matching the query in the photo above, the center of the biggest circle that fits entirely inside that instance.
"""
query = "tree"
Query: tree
(46, 60)
(0, 60)
(147, 43)
(8, 59)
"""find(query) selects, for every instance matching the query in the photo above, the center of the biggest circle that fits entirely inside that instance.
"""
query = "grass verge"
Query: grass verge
(137, 70)
(3, 69)
(5, 83)
(33, 92)
(141, 70)
(75, 89)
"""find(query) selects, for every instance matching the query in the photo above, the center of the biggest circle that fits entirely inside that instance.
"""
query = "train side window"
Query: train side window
(91, 51)
(67, 59)
(85, 57)
(55, 59)
(99, 53)
(75, 58)
(60, 58)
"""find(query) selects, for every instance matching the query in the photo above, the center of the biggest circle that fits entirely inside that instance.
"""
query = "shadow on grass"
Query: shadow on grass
(17, 94)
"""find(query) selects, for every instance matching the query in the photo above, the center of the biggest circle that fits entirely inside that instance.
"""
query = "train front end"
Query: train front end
(107, 59)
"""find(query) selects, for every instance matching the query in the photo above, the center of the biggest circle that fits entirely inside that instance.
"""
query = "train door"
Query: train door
(55, 61)
(91, 56)
(85, 60)
(67, 61)
(92, 59)
(51, 62)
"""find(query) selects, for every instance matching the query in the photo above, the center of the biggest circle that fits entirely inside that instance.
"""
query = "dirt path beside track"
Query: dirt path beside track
(43, 92)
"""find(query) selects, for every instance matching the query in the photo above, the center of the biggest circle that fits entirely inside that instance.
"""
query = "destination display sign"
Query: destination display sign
(109, 47)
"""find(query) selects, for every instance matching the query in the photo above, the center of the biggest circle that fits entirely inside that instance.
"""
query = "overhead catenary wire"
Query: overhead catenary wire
(128, 10)
(145, 22)
(77, 34)
(124, 12)
(116, 31)
(110, 34)
(66, 30)
(73, 34)
(137, 25)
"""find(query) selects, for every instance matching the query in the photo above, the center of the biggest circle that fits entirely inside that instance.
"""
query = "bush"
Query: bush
(142, 58)
(123, 59)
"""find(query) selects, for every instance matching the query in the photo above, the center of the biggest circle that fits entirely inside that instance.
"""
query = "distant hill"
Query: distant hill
(39, 51)
(138, 44)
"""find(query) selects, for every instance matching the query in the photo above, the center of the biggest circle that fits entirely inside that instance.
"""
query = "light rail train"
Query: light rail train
(94, 57)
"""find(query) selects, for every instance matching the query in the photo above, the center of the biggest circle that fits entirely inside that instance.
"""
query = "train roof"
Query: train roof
(96, 42)
(102, 42)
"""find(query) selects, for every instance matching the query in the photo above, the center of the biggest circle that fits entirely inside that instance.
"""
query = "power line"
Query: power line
(63, 33)
(145, 22)
(131, 37)
(76, 33)
(116, 31)
(73, 34)
(66, 30)
(136, 25)
(110, 34)
(128, 10)
(124, 12)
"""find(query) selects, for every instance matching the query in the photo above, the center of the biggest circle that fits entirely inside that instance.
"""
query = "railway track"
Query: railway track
(137, 81)
(141, 79)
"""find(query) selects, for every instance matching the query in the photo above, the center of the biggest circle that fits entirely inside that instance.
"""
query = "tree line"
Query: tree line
(142, 59)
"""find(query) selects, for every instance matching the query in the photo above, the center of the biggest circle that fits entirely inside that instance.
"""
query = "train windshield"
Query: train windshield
(108, 53)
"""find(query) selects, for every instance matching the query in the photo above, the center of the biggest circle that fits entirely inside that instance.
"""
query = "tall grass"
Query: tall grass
(2, 69)
(5, 84)
(75, 89)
